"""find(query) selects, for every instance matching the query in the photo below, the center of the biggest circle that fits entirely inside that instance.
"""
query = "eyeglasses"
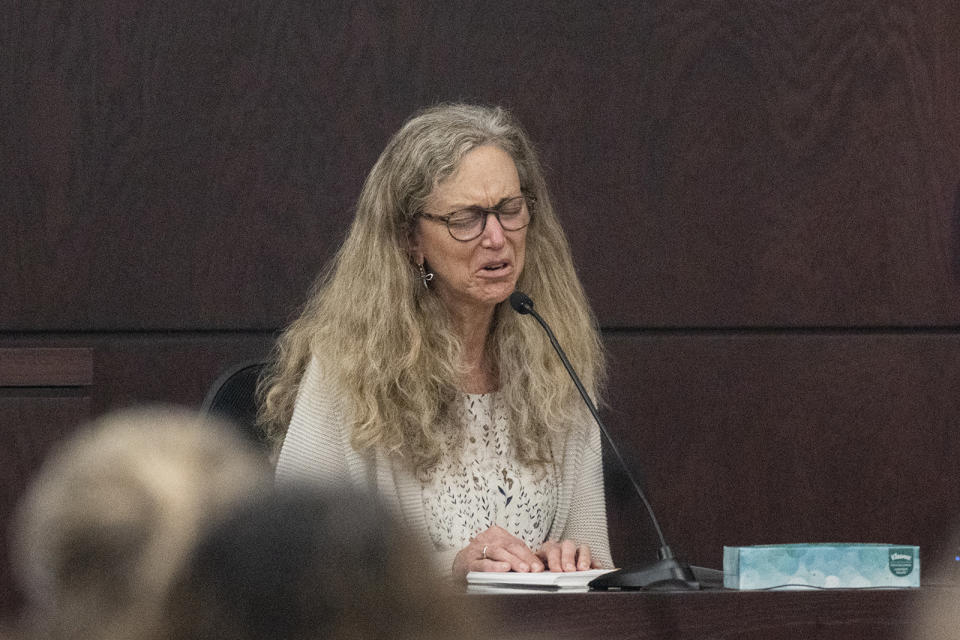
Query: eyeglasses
(464, 225)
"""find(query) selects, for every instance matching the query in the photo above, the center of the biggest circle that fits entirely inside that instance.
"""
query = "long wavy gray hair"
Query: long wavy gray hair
(387, 341)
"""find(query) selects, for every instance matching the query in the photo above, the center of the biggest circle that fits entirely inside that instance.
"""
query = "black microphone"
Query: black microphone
(667, 573)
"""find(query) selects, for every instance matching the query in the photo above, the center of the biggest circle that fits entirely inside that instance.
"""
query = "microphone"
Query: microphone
(667, 573)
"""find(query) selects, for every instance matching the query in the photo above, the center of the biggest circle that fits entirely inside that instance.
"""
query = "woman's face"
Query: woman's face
(473, 276)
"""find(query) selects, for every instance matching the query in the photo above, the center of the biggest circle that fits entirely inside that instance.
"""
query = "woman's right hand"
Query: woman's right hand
(495, 550)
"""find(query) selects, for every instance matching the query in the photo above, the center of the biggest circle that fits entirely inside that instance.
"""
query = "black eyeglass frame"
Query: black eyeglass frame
(528, 199)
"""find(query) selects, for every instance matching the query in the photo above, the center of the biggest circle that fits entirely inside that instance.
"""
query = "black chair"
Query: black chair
(233, 396)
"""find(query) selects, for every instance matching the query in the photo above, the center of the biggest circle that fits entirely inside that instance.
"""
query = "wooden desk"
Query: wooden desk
(746, 615)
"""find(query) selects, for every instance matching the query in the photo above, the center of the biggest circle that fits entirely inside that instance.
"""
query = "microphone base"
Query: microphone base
(662, 575)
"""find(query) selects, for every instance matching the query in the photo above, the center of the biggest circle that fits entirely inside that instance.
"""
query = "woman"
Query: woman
(408, 372)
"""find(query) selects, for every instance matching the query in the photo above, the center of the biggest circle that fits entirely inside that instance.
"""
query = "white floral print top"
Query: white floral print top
(479, 482)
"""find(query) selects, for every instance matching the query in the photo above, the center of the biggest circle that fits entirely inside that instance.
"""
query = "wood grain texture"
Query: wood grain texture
(145, 368)
(839, 615)
(717, 164)
(799, 168)
(756, 439)
(46, 367)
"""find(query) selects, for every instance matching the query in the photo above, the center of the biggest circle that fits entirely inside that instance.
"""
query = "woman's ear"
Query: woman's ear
(413, 246)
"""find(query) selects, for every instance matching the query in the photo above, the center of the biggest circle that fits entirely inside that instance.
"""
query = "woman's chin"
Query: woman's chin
(501, 293)
(487, 295)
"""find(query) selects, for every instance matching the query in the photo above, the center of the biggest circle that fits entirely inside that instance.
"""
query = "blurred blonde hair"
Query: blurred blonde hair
(113, 513)
(387, 341)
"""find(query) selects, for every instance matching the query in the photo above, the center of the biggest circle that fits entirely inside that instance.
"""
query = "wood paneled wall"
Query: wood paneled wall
(763, 200)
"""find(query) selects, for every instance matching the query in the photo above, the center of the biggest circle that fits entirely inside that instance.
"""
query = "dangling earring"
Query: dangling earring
(424, 276)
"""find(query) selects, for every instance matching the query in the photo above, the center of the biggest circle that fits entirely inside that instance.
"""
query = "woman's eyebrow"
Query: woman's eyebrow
(455, 207)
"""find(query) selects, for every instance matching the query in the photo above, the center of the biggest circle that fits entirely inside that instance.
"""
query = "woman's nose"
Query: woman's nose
(492, 232)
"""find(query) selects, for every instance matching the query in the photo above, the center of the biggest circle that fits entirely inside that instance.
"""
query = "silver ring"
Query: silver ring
(483, 554)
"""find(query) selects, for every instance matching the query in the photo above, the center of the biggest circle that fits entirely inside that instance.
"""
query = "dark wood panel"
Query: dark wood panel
(180, 370)
(29, 428)
(754, 439)
(794, 164)
(716, 163)
(139, 368)
(46, 367)
(839, 615)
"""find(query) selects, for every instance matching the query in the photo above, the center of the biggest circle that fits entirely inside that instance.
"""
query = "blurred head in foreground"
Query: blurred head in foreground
(304, 563)
(113, 513)
(936, 615)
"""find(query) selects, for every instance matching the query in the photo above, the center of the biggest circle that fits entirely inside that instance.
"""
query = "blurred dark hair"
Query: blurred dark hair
(304, 563)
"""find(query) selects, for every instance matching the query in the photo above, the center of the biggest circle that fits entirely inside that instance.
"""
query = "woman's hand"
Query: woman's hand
(495, 550)
(566, 555)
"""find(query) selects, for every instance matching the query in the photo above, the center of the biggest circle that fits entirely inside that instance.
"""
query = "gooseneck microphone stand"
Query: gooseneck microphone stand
(667, 573)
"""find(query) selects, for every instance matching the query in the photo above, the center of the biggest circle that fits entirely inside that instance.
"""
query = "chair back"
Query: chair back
(233, 396)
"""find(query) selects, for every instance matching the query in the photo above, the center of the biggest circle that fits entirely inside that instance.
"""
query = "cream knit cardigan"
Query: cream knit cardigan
(317, 449)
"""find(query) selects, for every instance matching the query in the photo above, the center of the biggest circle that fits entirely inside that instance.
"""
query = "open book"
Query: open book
(501, 582)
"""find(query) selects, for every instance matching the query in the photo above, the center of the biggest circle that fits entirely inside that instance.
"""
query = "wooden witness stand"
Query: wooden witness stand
(841, 614)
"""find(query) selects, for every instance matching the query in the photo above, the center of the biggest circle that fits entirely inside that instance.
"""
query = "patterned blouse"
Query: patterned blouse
(480, 483)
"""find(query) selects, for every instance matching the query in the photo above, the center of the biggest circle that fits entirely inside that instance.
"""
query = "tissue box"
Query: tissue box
(828, 566)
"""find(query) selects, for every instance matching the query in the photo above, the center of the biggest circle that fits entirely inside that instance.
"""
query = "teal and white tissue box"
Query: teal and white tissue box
(823, 566)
